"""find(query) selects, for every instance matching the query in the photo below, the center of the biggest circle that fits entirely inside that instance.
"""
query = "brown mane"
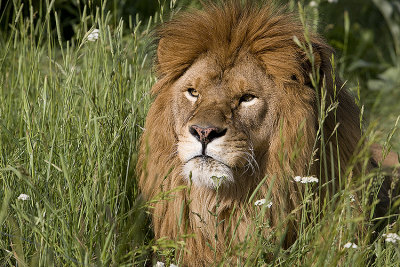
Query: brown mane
(228, 30)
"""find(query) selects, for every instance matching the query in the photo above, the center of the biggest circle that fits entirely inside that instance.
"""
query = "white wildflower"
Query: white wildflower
(350, 245)
(306, 179)
(93, 35)
(352, 198)
(173, 265)
(159, 264)
(23, 197)
(391, 237)
(260, 202)
(332, 1)
(313, 4)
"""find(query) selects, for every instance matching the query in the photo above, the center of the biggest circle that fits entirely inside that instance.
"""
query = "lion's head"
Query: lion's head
(235, 102)
(224, 117)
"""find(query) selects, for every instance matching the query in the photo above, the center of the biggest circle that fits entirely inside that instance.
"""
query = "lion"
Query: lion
(236, 109)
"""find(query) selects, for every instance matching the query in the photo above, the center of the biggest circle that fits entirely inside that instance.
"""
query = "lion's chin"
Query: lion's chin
(207, 172)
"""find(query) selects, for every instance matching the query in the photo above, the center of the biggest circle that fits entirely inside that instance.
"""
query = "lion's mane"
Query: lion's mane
(267, 33)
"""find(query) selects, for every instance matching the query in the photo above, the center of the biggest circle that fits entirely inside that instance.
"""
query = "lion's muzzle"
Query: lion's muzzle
(200, 149)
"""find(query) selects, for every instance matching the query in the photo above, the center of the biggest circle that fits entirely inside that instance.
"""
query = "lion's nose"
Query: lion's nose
(207, 134)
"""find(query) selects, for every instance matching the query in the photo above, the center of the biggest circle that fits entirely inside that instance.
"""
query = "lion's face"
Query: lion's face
(222, 119)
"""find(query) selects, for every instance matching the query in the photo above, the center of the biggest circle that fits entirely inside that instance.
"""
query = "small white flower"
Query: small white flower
(352, 198)
(391, 237)
(93, 35)
(313, 4)
(350, 245)
(173, 265)
(260, 202)
(306, 179)
(23, 197)
(332, 1)
(159, 264)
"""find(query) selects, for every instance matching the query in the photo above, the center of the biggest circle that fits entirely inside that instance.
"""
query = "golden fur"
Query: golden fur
(227, 35)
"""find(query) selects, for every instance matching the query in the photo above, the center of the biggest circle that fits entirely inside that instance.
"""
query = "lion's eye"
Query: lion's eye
(246, 98)
(192, 92)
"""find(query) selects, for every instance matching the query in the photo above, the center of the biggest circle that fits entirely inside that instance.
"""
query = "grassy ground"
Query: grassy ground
(71, 114)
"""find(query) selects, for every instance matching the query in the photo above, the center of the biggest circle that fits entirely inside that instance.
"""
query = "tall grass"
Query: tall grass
(71, 113)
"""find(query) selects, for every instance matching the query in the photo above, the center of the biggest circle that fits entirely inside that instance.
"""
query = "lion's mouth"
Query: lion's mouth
(203, 157)
(206, 159)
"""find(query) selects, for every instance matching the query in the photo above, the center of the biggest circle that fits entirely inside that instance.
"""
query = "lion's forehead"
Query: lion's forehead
(207, 74)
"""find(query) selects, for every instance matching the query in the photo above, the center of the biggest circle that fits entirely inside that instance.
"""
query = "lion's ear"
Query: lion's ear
(161, 56)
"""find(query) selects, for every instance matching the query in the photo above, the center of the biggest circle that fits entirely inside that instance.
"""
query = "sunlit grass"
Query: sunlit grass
(71, 114)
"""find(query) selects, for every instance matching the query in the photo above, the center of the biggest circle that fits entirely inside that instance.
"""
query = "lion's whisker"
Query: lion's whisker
(249, 157)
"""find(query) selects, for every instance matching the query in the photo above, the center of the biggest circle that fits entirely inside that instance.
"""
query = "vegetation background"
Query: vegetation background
(72, 110)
